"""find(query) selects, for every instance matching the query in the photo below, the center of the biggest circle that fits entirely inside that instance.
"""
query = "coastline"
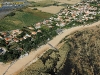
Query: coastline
(23, 62)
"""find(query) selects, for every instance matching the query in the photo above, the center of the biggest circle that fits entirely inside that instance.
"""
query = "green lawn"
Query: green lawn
(24, 18)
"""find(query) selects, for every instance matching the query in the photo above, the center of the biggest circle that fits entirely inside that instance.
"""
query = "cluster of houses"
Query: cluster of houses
(79, 12)
(11, 36)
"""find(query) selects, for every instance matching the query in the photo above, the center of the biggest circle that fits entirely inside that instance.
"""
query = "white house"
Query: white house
(2, 50)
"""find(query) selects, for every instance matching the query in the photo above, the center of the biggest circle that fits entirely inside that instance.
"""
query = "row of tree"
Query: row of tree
(26, 45)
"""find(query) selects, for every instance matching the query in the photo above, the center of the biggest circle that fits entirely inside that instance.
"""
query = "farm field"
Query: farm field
(21, 18)
(49, 9)
(68, 1)
(41, 3)
(27, 17)
(62, 1)
(50, 6)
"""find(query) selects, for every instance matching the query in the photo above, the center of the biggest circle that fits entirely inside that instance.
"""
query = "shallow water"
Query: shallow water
(6, 10)
(3, 13)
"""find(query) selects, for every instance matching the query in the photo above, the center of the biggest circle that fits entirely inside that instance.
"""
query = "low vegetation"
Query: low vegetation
(21, 18)
(83, 56)
(46, 65)
(50, 9)
(58, 1)
(78, 56)
(29, 37)
(49, 63)
(26, 45)
(43, 3)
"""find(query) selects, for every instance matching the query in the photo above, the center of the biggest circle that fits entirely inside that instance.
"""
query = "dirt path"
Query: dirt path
(54, 42)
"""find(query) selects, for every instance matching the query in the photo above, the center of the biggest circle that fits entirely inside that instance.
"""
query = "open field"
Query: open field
(42, 3)
(18, 65)
(19, 19)
(49, 9)
(62, 1)
(69, 1)
(50, 6)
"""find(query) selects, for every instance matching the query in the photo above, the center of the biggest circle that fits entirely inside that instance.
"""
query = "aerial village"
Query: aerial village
(25, 39)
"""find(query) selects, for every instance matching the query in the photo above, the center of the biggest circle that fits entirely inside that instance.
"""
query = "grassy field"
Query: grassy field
(61, 1)
(26, 17)
(68, 1)
(50, 9)
(42, 3)
(48, 6)
(51, 5)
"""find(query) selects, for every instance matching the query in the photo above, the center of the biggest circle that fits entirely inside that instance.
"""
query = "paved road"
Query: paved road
(18, 65)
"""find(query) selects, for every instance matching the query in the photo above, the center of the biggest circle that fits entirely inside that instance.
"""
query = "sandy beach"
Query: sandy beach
(21, 63)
